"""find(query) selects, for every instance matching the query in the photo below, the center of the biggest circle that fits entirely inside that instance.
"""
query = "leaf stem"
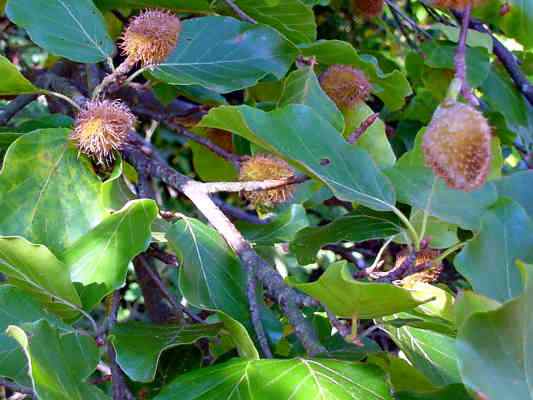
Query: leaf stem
(449, 251)
(415, 240)
(63, 97)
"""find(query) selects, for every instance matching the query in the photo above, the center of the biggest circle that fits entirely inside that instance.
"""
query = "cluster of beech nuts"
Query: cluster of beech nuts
(102, 126)
(456, 145)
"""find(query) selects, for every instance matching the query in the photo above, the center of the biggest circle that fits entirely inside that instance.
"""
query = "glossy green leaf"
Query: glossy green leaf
(474, 38)
(296, 379)
(74, 29)
(36, 204)
(211, 275)
(59, 364)
(240, 337)
(360, 225)
(374, 140)
(431, 353)
(349, 298)
(233, 55)
(184, 6)
(494, 348)
(518, 22)
(291, 17)
(13, 82)
(139, 345)
(115, 191)
(38, 272)
(469, 303)
(302, 87)
(391, 87)
(303, 136)
(281, 229)
(488, 260)
(102, 255)
(17, 308)
(211, 167)
(519, 187)
(455, 392)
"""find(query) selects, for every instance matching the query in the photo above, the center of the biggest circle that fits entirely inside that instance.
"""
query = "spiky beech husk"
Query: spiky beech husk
(458, 5)
(150, 37)
(424, 256)
(101, 128)
(368, 8)
(345, 85)
(265, 167)
(221, 138)
(457, 146)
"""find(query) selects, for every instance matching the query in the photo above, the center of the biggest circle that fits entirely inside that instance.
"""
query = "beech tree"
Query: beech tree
(266, 199)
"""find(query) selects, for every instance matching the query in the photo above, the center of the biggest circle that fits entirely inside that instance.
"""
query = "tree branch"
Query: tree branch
(367, 123)
(16, 388)
(252, 186)
(506, 58)
(288, 299)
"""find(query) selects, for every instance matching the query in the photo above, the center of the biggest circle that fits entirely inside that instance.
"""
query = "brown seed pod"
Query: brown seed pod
(368, 8)
(265, 167)
(458, 5)
(345, 85)
(457, 146)
(221, 138)
(150, 37)
(101, 128)
(424, 256)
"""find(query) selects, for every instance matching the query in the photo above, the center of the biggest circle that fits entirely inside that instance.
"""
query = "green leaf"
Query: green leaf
(440, 55)
(36, 204)
(59, 364)
(303, 136)
(360, 225)
(281, 229)
(488, 260)
(38, 272)
(13, 82)
(240, 337)
(184, 6)
(474, 38)
(518, 22)
(17, 308)
(297, 379)
(417, 186)
(519, 187)
(74, 29)
(494, 348)
(374, 140)
(455, 392)
(348, 298)
(115, 191)
(469, 303)
(302, 87)
(431, 353)
(233, 55)
(139, 345)
(102, 255)
(290, 17)
(392, 88)
(211, 276)
(443, 235)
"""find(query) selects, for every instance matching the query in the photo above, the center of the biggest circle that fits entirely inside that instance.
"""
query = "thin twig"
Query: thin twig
(238, 213)
(367, 123)
(16, 388)
(242, 15)
(507, 59)
(15, 106)
(400, 271)
(119, 387)
(252, 186)
(407, 19)
(400, 26)
(460, 58)
(170, 297)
